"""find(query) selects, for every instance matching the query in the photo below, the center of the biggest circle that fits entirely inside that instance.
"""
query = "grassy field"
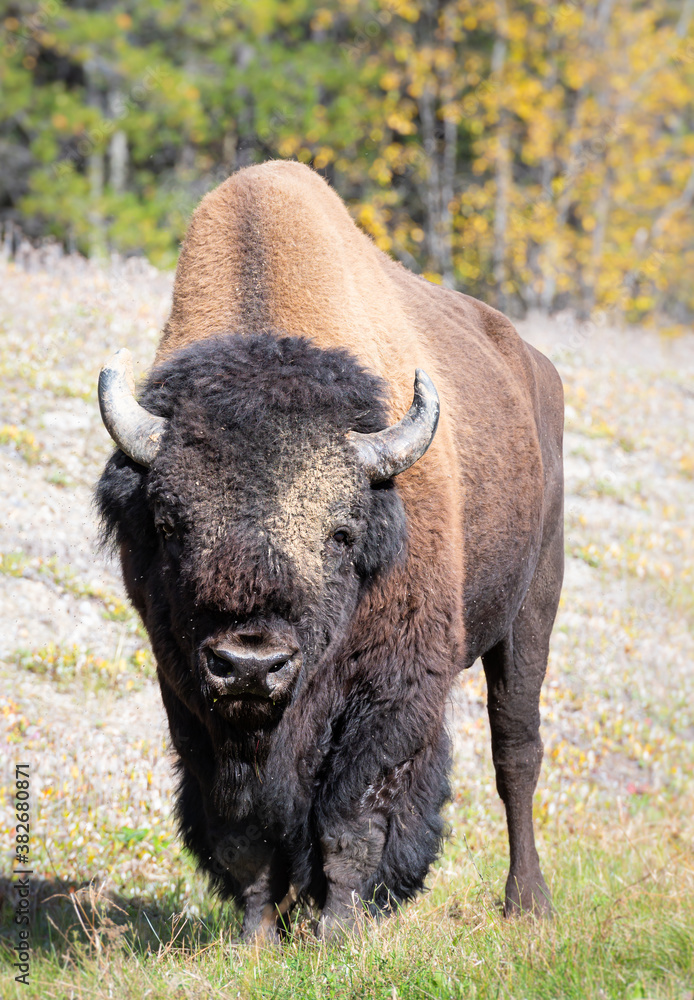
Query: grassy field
(117, 910)
(623, 928)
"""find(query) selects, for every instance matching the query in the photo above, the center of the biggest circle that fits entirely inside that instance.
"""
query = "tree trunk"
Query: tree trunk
(438, 182)
(118, 161)
(595, 43)
(118, 146)
(450, 140)
(439, 141)
(602, 211)
(431, 182)
(503, 168)
(95, 173)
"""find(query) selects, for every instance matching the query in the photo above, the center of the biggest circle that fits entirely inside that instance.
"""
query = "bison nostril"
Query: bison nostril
(220, 667)
(274, 667)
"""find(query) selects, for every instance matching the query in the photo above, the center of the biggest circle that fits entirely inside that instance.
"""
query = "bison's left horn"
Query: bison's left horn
(389, 452)
(135, 430)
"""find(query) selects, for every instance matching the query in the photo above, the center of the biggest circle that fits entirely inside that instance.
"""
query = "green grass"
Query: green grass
(113, 608)
(60, 478)
(68, 665)
(623, 928)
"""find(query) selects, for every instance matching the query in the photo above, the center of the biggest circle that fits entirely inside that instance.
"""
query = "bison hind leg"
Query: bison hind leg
(515, 669)
(513, 696)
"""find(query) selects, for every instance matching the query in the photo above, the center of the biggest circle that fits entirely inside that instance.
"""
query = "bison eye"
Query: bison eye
(167, 528)
(342, 536)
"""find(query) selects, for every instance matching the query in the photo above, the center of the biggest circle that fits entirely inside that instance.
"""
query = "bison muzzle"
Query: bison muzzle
(316, 550)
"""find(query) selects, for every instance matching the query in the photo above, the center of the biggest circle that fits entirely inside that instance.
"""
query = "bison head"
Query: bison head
(252, 499)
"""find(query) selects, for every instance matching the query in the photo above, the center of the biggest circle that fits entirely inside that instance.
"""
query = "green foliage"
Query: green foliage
(535, 154)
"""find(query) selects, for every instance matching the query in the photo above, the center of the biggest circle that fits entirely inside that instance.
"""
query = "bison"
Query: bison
(315, 555)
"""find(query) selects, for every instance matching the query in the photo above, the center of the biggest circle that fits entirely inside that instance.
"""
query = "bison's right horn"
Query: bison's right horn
(389, 452)
(136, 431)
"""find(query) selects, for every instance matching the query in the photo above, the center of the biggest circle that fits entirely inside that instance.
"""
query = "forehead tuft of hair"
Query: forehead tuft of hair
(242, 378)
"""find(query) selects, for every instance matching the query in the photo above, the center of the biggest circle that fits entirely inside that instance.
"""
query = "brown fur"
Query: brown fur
(275, 248)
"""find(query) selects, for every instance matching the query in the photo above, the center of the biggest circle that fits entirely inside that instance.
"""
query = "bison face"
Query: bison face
(250, 536)
(266, 532)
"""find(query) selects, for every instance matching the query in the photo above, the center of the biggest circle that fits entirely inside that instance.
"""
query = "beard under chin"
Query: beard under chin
(248, 712)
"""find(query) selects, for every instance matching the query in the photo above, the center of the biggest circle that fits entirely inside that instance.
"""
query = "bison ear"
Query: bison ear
(136, 431)
(389, 452)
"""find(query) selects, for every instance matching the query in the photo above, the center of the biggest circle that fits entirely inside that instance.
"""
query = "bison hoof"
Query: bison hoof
(261, 937)
(261, 933)
(529, 896)
(334, 927)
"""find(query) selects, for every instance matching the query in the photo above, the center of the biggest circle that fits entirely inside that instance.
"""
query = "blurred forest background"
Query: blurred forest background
(538, 155)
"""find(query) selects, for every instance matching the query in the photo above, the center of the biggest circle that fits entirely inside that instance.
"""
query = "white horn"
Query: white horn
(136, 431)
(389, 452)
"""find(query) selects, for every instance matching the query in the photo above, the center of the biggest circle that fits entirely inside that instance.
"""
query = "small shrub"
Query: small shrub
(22, 441)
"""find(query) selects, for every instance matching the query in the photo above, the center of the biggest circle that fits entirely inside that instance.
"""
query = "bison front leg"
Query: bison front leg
(257, 876)
(263, 917)
(350, 858)
(259, 909)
